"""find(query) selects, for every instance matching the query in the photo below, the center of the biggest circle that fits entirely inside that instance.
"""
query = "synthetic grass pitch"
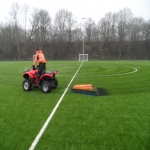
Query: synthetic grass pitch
(117, 120)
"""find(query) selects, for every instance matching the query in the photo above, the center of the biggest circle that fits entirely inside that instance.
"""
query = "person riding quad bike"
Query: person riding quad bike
(47, 80)
(39, 56)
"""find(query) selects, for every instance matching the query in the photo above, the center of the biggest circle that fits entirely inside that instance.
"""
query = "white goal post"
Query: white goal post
(83, 57)
(33, 57)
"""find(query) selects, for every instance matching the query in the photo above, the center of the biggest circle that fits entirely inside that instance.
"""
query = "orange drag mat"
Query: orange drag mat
(88, 87)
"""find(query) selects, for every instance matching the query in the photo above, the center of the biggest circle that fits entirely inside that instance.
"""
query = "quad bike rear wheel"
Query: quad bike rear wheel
(26, 85)
(46, 87)
(54, 83)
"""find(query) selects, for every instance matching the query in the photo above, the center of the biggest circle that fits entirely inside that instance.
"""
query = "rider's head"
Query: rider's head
(37, 50)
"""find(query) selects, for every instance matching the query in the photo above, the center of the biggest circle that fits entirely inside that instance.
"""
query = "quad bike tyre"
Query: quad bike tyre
(26, 85)
(46, 87)
(54, 83)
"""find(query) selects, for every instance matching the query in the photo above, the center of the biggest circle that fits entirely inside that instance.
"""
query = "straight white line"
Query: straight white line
(34, 143)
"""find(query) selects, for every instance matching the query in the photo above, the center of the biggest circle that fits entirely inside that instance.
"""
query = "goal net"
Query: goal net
(83, 57)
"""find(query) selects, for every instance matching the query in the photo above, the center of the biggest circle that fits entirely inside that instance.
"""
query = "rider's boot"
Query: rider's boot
(38, 78)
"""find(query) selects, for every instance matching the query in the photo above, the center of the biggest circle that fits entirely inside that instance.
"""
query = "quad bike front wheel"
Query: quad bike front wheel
(26, 85)
(46, 87)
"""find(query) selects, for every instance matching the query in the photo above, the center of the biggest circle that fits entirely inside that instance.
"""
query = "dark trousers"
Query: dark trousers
(42, 66)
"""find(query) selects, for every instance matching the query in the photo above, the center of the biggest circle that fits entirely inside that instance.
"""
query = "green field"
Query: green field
(116, 120)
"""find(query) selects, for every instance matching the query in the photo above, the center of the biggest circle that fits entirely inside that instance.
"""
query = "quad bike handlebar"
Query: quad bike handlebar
(33, 67)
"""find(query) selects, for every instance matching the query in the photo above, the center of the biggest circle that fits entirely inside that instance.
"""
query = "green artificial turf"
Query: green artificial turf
(118, 119)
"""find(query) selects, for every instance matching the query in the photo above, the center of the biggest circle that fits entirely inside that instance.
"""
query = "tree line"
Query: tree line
(117, 35)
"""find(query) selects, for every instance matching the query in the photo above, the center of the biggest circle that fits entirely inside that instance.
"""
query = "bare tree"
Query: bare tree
(34, 21)
(124, 18)
(64, 27)
(136, 29)
(25, 10)
(90, 26)
(77, 34)
(14, 13)
(108, 27)
(60, 23)
(45, 25)
(147, 30)
(6, 42)
(64, 24)
(40, 26)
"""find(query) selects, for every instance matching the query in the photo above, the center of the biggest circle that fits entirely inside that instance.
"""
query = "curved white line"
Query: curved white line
(118, 74)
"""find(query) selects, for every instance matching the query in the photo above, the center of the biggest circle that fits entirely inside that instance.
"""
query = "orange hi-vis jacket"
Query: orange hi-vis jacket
(39, 57)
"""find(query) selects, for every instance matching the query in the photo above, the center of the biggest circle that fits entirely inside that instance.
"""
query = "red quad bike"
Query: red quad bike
(47, 81)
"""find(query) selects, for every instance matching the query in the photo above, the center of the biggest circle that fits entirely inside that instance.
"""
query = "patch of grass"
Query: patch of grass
(118, 120)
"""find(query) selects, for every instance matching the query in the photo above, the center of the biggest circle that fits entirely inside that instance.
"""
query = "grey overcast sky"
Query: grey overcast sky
(95, 9)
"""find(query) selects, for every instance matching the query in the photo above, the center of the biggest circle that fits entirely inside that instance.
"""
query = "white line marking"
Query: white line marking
(135, 70)
(118, 74)
(34, 143)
